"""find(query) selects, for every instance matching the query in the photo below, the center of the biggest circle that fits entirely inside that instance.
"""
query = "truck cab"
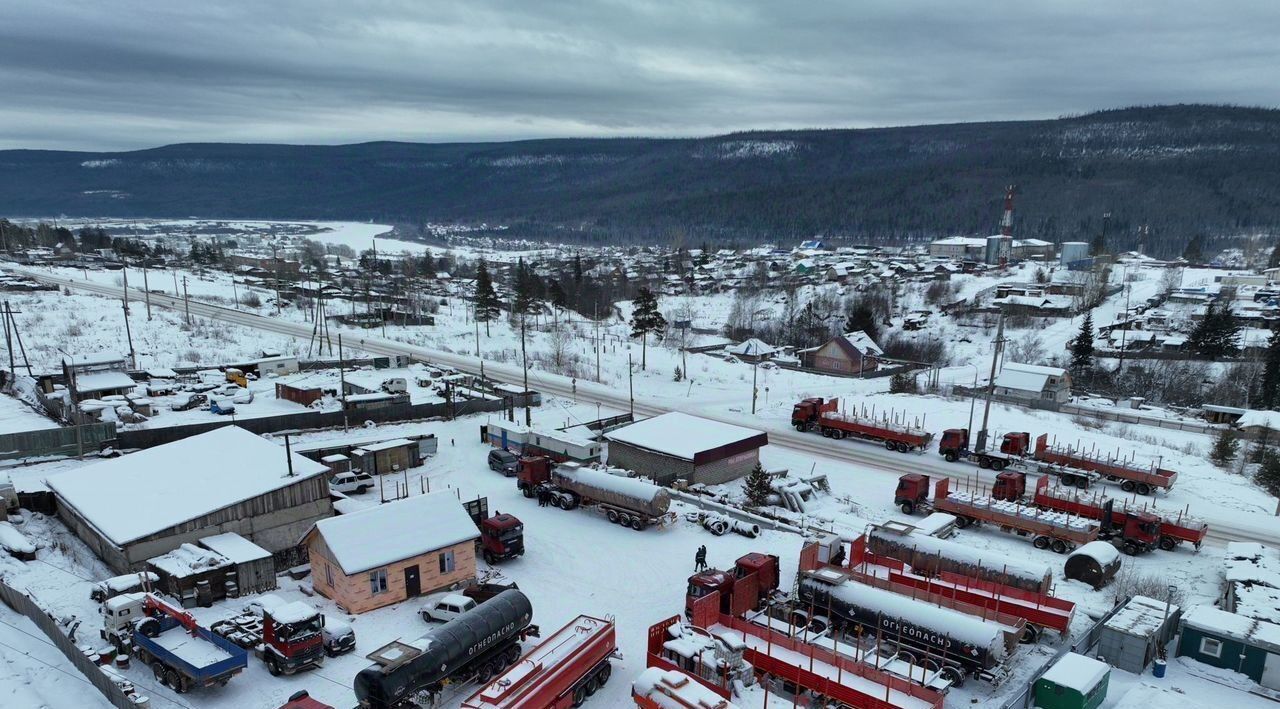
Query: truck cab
(764, 566)
(912, 492)
(501, 537)
(1141, 532)
(1009, 486)
(292, 638)
(534, 471)
(805, 414)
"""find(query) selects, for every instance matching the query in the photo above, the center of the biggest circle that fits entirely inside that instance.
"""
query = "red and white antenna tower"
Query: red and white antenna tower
(1006, 221)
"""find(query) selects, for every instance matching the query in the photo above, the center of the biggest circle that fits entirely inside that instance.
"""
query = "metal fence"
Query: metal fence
(1083, 646)
(1115, 415)
(92, 672)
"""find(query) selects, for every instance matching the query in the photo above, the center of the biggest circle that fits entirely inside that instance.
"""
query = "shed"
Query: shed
(850, 353)
(752, 350)
(141, 505)
(1132, 637)
(195, 576)
(1095, 563)
(387, 456)
(1074, 682)
(255, 569)
(1234, 642)
(676, 445)
(1033, 382)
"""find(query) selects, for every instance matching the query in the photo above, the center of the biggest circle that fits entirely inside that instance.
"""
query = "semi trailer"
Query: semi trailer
(931, 556)
(474, 646)
(630, 502)
(1139, 529)
(825, 417)
(562, 671)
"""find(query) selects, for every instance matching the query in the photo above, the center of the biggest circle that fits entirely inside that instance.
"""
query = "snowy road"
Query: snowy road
(1266, 530)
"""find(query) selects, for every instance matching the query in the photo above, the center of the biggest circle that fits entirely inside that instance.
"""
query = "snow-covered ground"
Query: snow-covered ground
(16, 415)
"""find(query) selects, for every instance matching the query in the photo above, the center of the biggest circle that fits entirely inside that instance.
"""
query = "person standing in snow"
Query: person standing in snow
(700, 559)
(542, 496)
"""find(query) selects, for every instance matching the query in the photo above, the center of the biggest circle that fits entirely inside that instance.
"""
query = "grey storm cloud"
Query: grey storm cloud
(122, 75)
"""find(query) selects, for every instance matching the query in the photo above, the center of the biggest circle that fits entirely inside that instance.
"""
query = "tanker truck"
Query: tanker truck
(630, 502)
(474, 646)
(956, 644)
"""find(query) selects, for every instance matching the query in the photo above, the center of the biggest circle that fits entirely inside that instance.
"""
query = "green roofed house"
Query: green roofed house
(1234, 642)
(1074, 682)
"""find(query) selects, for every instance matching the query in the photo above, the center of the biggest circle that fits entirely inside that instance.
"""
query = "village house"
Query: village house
(850, 353)
(1032, 382)
(96, 377)
(387, 554)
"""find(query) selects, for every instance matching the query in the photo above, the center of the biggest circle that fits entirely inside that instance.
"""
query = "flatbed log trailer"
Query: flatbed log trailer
(1047, 529)
(1131, 476)
(1168, 533)
(815, 414)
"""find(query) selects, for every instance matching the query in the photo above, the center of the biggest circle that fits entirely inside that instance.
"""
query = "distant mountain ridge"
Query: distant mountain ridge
(1182, 169)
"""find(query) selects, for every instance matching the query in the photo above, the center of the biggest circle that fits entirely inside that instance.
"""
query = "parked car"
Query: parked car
(339, 638)
(504, 461)
(193, 401)
(446, 607)
(350, 482)
(265, 601)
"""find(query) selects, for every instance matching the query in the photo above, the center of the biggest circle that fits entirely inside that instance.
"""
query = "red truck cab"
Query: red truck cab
(1009, 486)
(302, 700)
(806, 412)
(1141, 532)
(703, 583)
(293, 640)
(534, 470)
(501, 537)
(912, 492)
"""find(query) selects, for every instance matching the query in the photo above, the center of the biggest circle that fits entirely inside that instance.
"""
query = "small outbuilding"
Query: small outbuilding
(1132, 637)
(1032, 382)
(676, 445)
(390, 553)
(1095, 563)
(254, 566)
(1074, 682)
(752, 350)
(1233, 642)
(194, 575)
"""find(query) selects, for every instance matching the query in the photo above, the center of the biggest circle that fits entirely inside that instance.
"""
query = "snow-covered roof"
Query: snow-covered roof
(188, 559)
(1077, 672)
(1027, 377)
(1220, 622)
(177, 482)
(752, 348)
(863, 342)
(235, 547)
(102, 381)
(1142, 616)
(1260, 419)
(382, 535)
(680, 435)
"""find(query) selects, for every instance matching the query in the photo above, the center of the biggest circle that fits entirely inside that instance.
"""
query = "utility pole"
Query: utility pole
(754, 370)
(528, 414)
(8, 338)
(342, 377)
(186, 300)
(146, 289)
(133, 357)
(991, 383)
(1124, 332)
(595, 318)
(631, 392)
(125, 270)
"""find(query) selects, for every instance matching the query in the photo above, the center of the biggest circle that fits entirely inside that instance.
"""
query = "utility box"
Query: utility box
(1074, 682)
(1132, 637)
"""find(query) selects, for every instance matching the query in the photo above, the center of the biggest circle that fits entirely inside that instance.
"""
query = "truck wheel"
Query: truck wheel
(962, 522)
(1059, 546)
(984, 463)
(800, 619)
(489, 558)
(1082, 483)
(1030, 634)
(908, 507)
(624, 520)
(612, 516)
(889, 445)
(1130, 548)
(1168, 543)
(1127, 486)
(157, 669)
(149, 627)
(954, 675)
(950, 456)
(800, 427)
(637, 523)
(819, 624)
(171, 680)
(908, 657)
(579, 696)
(1040, 542)
(1144, 489)
(527, 492)
(603, 675)
(903, 448)
(273, 666)
(997, 465)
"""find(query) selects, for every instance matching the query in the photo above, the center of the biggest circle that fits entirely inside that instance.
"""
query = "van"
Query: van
(395, 385)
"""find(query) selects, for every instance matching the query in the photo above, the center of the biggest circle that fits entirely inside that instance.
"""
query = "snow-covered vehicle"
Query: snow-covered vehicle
(126, 583)
(339, 638)
(446, 607)
(192, 401)
(351, 482)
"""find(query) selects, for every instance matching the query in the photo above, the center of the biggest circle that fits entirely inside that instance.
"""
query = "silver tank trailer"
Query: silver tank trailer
(626, 493)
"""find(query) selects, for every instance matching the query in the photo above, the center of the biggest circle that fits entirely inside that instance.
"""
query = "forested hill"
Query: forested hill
(1182, 169)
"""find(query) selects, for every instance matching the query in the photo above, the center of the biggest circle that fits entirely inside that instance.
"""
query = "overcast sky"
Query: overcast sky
(116, 74)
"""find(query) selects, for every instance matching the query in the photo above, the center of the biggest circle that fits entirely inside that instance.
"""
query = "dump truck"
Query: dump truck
(627, 501)
(751, 581)
(562, 671)
(935, 557)
(1139, 529)
(1047, 529)
(474, 646)
(287, 637)
(825, 417)
(501, 535)
(181, 653)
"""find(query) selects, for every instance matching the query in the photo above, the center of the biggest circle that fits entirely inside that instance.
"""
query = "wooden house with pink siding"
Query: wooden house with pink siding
(393, 552)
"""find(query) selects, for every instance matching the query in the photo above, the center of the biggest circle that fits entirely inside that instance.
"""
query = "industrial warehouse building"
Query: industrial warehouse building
(677, 446)
(142, 505)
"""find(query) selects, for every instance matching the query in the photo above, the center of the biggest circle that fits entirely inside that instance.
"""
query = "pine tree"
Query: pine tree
(525, 299)
(1217, 333)
(577, 268)
(555, 293)
(646, 319)
(678, 376)
(863, 318)
(1194, 251)
(1268, 474)
(1225, 448)
(487, 305)
(1082, 345)
(757, 487)
(1270, 394)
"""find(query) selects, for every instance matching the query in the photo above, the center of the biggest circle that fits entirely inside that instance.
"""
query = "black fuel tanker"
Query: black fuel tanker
(477, 644)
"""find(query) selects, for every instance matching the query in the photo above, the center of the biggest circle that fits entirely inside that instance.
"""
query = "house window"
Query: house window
(328, 575)
(446, 562)
(378, 581)
(1211, 647)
